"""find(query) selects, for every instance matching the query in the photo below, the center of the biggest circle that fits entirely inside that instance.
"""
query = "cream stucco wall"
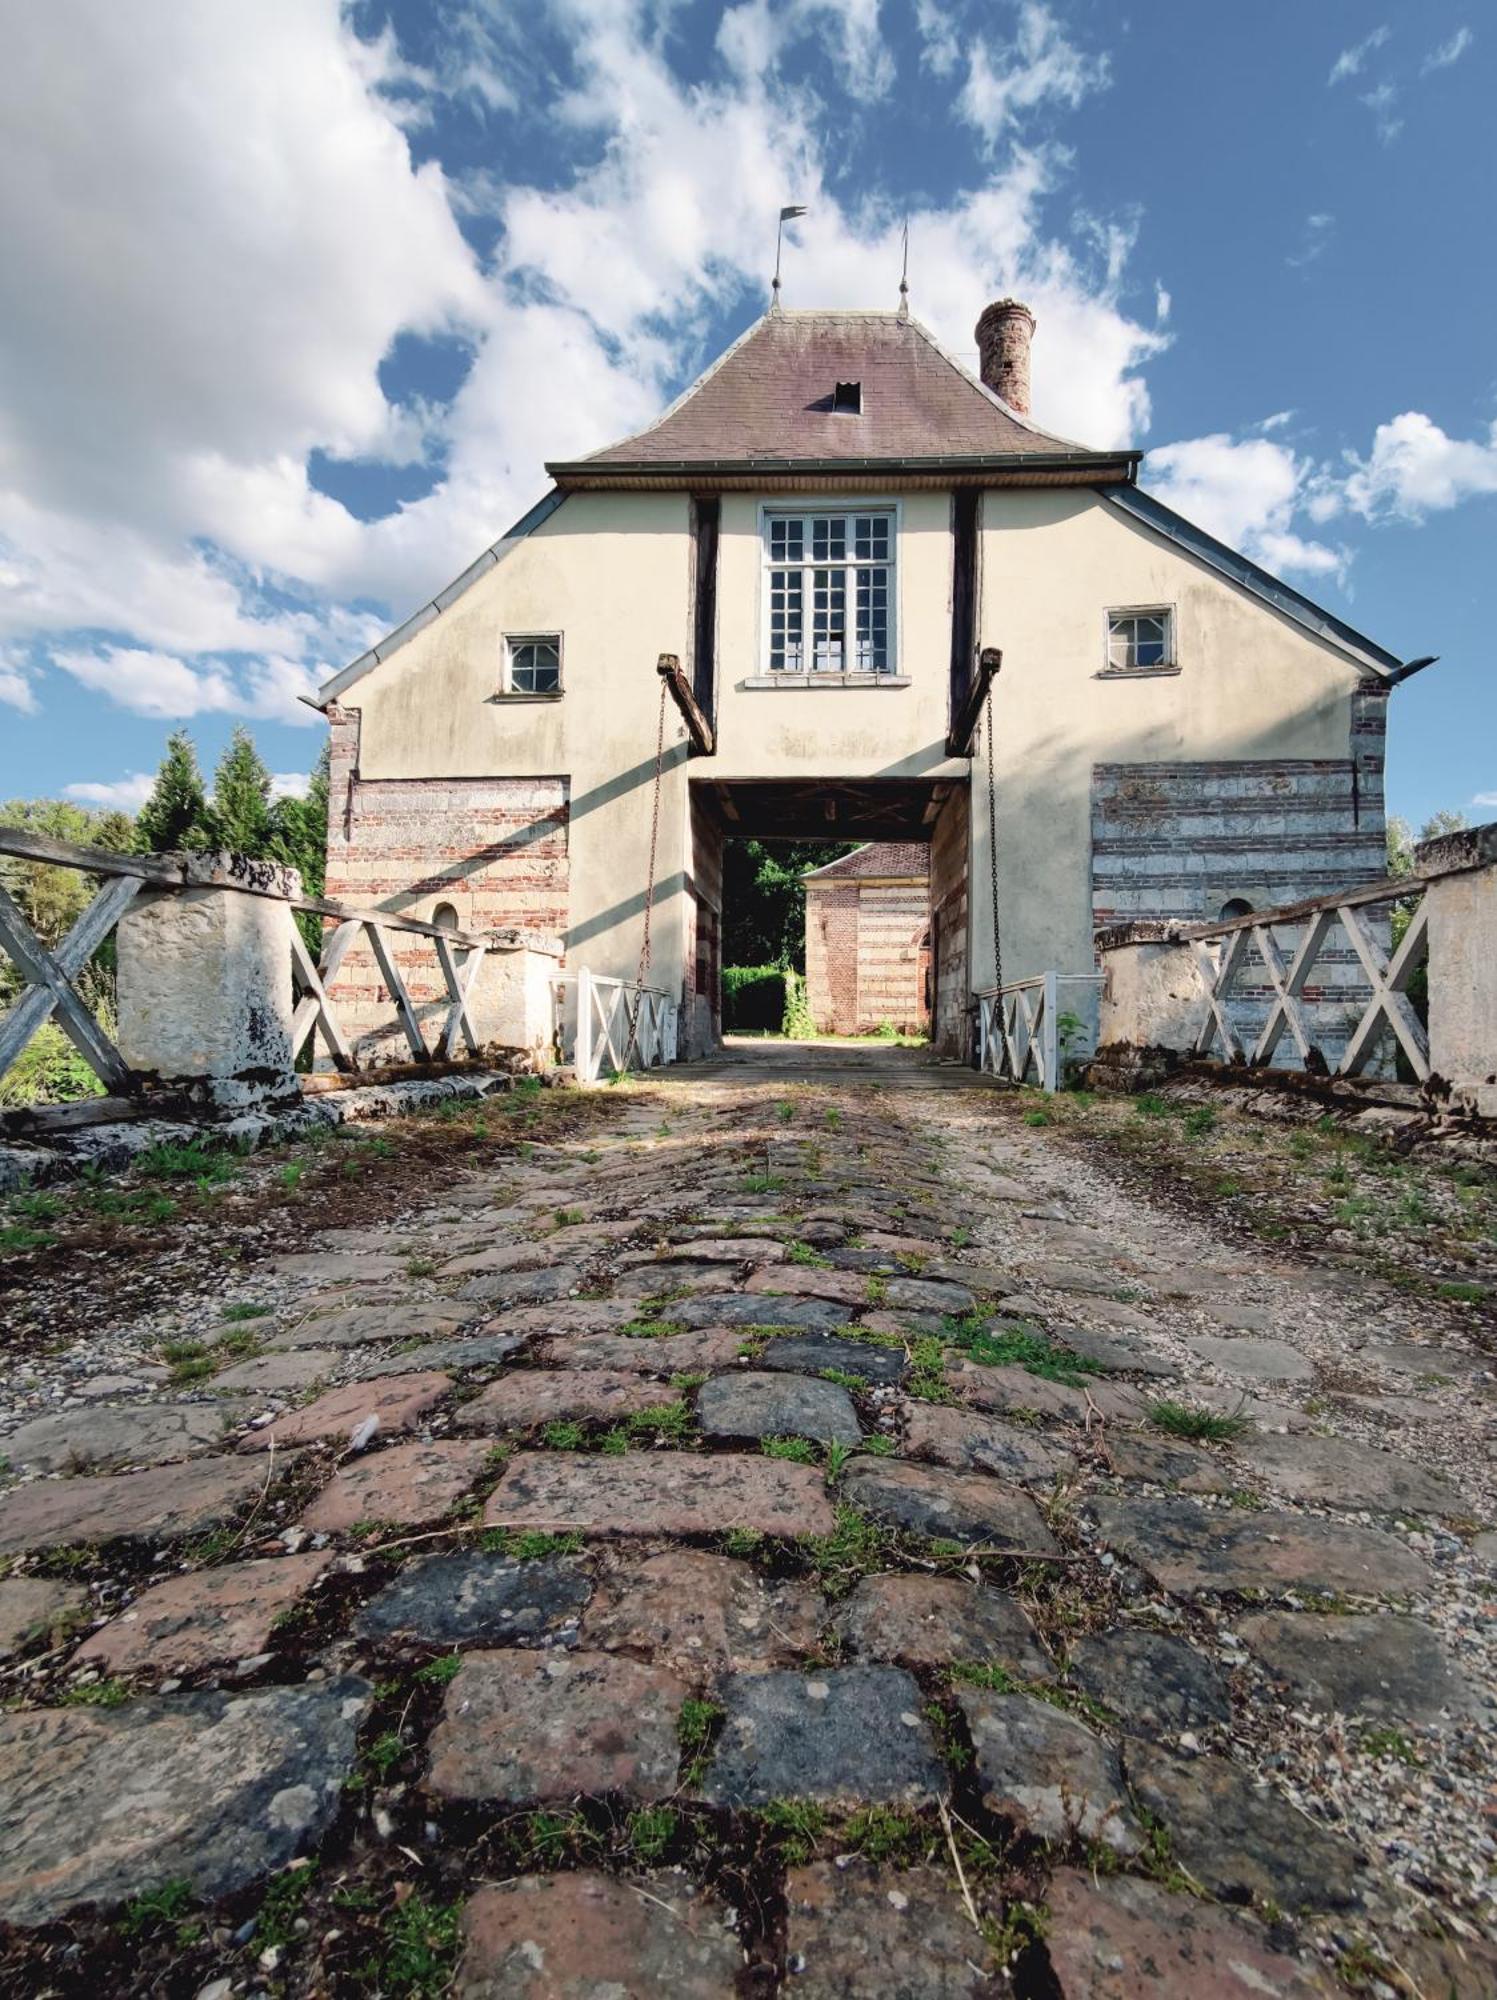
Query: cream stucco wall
(612, 573)
(1252, 684)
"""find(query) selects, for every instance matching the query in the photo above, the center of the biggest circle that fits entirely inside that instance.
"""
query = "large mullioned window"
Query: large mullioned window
(831, 592)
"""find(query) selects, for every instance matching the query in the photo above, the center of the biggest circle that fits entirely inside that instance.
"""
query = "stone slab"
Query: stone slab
(209, 1618)
(843, 1736)
(1013, 1388)
(671, 1278)
(1190, 1551)
(1114, 1352)
(216, 1790)
(584, 1936)
(1254, 1360)
(475, 1598)
(279, 1374)
(808, 1354)
(453, 1357)
(499, 1257)
(154, 1506)
(521, 1728)
(670, 1354)
(752, 1404)
(968, 1442)
(400, 1319)
(702, 1615)
(1393, 1668)
(1045, 1771)
(1429, 1366)
(1240, 1840)
(407, 1485)
(1339, 1473)
(32, 1608)
(753, 1309)
(531, 1396)
(849, 1288)
(1183, 1468)
(934, 1621)
(395, 1403)
(730, 1250)
(859, 1932)
(968, 1507)
(1119, 1938)
(523, 1288)
(99, 1440)
(1157, 1684)
(661, 1493)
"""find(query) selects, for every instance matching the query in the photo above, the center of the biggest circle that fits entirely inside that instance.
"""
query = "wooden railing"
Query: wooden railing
(603, 1037)
(1019, 1027)
(50, 976)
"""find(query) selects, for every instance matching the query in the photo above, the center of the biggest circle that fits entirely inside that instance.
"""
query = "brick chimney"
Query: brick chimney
(1003, 336)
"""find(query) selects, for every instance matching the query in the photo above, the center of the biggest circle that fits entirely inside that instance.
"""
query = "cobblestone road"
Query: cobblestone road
(818, 1534)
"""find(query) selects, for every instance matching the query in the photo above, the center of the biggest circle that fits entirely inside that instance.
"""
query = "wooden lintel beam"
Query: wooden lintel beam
(698, 728)
(964, 723)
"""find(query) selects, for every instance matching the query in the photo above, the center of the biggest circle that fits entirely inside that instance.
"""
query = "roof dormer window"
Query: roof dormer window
(847, 399)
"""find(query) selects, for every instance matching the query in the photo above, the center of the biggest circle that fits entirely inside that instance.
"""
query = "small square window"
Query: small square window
(1138, 640)
(533, 665)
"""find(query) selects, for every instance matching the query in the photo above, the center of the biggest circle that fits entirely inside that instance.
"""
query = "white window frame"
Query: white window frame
(1166, 614)
(507, 677)
(808, 673)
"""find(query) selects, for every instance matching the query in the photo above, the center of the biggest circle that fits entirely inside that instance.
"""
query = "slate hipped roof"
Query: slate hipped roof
(909, 859)
(767, 403)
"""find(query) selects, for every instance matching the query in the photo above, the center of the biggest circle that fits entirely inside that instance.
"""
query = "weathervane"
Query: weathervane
(904, 275)
(786, 215)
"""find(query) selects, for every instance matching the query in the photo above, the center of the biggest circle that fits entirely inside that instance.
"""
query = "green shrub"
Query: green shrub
(753, 996)
(49, 1070)
(797, 1020)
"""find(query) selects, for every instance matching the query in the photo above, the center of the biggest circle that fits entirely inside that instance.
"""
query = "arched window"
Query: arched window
(1235, 906)
(444, 916)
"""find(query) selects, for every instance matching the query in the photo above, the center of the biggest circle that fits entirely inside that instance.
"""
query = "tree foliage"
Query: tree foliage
(764, 898)
(175, 816)
(1402, 839)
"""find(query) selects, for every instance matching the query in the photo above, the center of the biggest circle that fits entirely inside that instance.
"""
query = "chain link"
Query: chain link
(644, 943)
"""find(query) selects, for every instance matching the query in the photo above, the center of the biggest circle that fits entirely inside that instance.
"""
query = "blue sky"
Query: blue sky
(300, 296)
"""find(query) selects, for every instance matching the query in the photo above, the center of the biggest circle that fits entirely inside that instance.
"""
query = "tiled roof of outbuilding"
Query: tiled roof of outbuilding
(769, 398)
(880, 857)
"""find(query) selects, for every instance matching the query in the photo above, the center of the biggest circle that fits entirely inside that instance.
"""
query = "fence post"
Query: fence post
(583, 1054)
(1460, 905)
(1050, 1032)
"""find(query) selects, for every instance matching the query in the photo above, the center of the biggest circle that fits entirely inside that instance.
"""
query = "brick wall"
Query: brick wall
(494, 849)
(832, 956)
(1184, 840)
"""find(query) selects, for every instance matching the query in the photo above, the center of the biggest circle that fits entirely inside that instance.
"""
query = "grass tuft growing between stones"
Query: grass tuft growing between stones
(800, 1451)
(1184, 1421)
(855, 1548)
(1013, 1343)
(527, 1544)
(696, 1731)
(417, 1952)
(795, 1826)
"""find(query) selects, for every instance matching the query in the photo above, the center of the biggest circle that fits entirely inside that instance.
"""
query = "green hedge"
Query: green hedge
(753, 996)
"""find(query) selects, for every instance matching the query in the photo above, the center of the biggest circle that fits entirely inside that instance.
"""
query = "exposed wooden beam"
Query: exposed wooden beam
(964, 723)
(698, 728)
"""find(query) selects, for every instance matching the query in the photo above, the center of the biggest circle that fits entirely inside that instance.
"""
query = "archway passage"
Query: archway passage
(919, 913)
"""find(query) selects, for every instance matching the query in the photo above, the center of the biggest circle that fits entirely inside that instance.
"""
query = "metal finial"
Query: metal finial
(904, 275)
(786, 215)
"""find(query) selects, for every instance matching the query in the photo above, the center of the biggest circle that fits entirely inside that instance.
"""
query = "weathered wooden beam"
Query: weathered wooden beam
(698, 728)
(49, 978)
(964, 723)
(24, 845)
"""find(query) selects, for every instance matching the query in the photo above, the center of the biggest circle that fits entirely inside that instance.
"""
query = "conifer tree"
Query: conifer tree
(176, 814)
(240, 814)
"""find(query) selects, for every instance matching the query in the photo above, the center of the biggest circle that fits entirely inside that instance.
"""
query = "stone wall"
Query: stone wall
(951, 1031)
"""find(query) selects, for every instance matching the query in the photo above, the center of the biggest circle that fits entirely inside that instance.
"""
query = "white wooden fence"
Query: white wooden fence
(595, 1015)
(1019, 1027)
(459, 959)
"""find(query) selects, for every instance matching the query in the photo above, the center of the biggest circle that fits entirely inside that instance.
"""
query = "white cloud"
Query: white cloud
(168, 689)
(124, 795)
(1314, 240)
(1162, 303)
(1246, 492)
(1447, 52)
(1040, 66)
(1380, 103)
(1414, 469)
(1277, 421)
(16, 690)
(941, 47)
(1350, 61)
(289, 784)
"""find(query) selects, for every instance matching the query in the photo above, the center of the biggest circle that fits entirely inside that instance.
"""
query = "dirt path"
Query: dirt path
(813, 1531)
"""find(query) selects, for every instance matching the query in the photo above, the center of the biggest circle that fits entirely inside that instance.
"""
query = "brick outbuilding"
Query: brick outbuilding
(868, 939)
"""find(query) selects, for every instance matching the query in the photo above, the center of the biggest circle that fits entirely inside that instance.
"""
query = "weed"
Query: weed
(795, 1825)
(276, 1923)
(13, 1239)
(568, 1218)
(885, 1833)
(440, 1672)
(879, 1445)
(563, 1437)
(245, 1311)
(195, 1160)
(1181, 1420)
(96, 1694)
(762, 1183)
(1390, 1743)
(837, 1456)
(652, 1329)
(855, 1548)
(743, 1542)
(614, 1443)
(524, 1545)
(420, 1267)
(419, 1947)
(291, 1174)
(802, 1253)
(878, 1291)
(670, 1421)
(1012, 1343)
(1466, 1295)
(1037, 1118)
(927, 1376)
(801, 1450)
(165, 1905)
(687, 1382)
(785, 1113)
(384, 1753)
(1149, 1105)
(651, 1829)
(950, 1747)
(188, 1360)
(978, 1673)
(696, 1725)
(842, 1378)
(959, 1237)
(36, 1206)
(1200, 1120)
(833, 1117)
